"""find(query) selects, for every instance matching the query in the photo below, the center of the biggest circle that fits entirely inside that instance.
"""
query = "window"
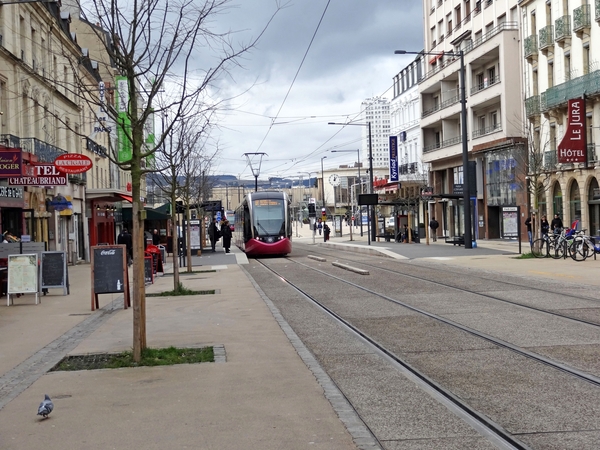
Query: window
(548, 13)
(491, 75)
(586, 58)
(479, 77)
(458, 15)
(481, 123)
(567, 66)
(534, 82)
(494, 120)
(550, 74)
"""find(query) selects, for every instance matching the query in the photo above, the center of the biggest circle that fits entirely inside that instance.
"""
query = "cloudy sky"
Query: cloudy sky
(351, 58)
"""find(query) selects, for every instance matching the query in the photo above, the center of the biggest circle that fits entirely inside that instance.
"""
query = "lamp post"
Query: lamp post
(323, 181)
(359, 179)
(464, 137)
(373, 219)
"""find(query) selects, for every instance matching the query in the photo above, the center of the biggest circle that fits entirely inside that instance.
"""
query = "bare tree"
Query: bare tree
(158, 49)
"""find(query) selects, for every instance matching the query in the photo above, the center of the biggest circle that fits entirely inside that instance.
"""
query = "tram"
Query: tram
(263, 224)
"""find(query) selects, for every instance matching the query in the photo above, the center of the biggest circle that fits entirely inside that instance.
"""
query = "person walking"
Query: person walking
(320, 226)
(124, 238)
(226, 233)
(544, 226)
(326, 231)
(213, 233)
(529, 234)
(556, 225)
(433, 224)
(155, 237)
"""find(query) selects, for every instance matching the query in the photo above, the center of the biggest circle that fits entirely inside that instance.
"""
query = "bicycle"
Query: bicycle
(540, 248)
(561, 244)
(582, 247)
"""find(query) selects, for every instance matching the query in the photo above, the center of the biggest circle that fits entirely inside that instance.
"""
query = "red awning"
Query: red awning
(435, 58)
(126, 197)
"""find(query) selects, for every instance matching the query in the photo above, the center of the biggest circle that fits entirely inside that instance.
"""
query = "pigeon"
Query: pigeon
(46, 407)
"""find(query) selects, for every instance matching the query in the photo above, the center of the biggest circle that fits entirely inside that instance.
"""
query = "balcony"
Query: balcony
(431, 147)
(9, 140)
(532, 106)
(562, 29)
(546, 38)
(597, 10)
(45, 152)
(452, 141)
(559, 95)
(550, 160)
(485, 85)
(487, 130)
(430, 111)
(450, 100)
(531, 47)
(592, 156)
(582, 19)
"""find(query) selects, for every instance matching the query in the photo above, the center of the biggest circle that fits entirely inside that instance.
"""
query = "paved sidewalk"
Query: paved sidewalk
(263, 397)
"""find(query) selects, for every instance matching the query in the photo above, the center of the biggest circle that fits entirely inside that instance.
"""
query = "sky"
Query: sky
(291, 85)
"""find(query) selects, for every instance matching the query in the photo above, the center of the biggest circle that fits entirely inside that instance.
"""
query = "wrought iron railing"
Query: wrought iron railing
(582, 17)
(481, 86)
(550, 159)
(558, 95)
(562, 28)
(431, 147)
(546, 37)
(430, 111)
(45, 152)
(592, 156)
(598, 10)
(532, 105)
(9, 140)
(487, 130)
(530, 46)
(450, 100)
(452, 141)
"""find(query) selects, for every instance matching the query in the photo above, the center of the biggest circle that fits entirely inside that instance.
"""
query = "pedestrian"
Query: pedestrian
(213, 233)
(155, 237)
(320, 226)
(226, 233)
(326, 231)
(124, 238)
(433, 224)
(405, 234)
(556, 225)
(529, 234)
(544, 226)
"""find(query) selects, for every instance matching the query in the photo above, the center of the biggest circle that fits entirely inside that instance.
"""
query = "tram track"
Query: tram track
(489, 428)
(435, 271)
(484, 376)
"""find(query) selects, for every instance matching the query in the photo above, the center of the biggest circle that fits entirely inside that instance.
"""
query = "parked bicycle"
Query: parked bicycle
(582, 246)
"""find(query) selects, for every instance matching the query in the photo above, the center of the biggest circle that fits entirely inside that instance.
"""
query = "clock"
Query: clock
(334, 180)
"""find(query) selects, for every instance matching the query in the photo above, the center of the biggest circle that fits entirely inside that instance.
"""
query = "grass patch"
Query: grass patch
(150, 357)
(181, 290)
(525, 256)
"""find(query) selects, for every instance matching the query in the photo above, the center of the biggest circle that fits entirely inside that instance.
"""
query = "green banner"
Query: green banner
(124, 147)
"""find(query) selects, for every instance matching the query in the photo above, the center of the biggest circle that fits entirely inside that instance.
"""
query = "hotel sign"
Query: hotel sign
(40, 175)
(573, 148)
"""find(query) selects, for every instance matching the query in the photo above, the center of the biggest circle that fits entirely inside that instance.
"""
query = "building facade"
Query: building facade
(376, 111)
(486, 33)
(561, 60)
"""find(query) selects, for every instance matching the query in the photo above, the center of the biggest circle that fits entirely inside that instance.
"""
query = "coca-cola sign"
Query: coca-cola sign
(108, 252)
(573, 147)
(73, 163)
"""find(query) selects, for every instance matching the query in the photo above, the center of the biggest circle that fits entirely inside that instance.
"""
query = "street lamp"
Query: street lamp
(372, 215)
(359, 179)
(465, 147)
(322, 181)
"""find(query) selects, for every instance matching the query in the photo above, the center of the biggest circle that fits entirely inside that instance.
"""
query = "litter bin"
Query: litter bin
(163, 252)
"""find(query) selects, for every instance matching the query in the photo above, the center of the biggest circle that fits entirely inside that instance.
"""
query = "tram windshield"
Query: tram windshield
(268, 216)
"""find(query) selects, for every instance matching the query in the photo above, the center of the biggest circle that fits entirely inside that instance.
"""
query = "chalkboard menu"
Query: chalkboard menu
(148, 272)
(109, 272)
(54, 271)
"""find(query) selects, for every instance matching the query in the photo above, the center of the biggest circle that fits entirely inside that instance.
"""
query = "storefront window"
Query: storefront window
(557, 203)
(501, 178)
(594, 208)
(574, 202)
